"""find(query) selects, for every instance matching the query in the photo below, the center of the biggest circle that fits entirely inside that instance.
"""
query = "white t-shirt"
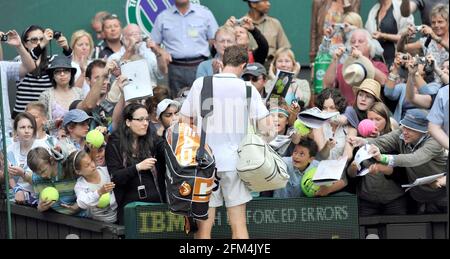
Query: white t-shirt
(226, 127)
(16, 158)
(87, 198)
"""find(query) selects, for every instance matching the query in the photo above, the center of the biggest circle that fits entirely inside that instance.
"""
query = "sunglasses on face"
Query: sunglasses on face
(35, 40)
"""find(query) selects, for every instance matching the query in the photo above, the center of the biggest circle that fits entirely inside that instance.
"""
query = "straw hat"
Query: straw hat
(372, 87)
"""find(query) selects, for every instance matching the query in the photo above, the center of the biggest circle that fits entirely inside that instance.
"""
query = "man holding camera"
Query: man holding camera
(361, 46)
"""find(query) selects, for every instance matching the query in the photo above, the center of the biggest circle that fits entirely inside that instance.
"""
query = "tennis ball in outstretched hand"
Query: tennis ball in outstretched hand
(301, 129)
(104, 200)
(49, 194)
(309, 188)
(366, 127)
(95, 138)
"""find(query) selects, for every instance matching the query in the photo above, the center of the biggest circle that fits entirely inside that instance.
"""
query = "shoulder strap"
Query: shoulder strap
(248, 96)
(205, 111)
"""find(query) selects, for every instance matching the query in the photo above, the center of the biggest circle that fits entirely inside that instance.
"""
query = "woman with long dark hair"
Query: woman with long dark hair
(35, 39)
(135, 160)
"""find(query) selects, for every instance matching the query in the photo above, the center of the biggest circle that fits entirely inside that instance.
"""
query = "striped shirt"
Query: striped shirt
(65, 189)
(29, 89)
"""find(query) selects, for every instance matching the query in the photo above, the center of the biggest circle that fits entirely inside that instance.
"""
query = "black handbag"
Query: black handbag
(191, 168)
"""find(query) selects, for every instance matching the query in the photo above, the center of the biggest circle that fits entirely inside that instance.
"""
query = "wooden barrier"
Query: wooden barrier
(29, 223)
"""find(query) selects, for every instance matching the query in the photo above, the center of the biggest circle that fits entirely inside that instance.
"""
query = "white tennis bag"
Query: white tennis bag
(259, 166)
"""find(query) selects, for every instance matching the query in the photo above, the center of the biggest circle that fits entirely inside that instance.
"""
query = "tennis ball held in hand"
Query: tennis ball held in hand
(49, 194)
(104, 200)
(95, 138)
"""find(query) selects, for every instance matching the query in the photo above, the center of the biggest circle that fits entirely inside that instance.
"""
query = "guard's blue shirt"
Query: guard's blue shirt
(185, 36)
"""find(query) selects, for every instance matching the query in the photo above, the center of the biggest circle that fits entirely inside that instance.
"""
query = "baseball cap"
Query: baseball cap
(75, 115)
(164, 104)
(254, 69)
(416, 119)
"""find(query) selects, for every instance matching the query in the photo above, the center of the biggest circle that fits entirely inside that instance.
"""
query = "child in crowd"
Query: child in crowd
(37, 109)
(301, 161)
(91, 186)
(76, 125)
(50, 172)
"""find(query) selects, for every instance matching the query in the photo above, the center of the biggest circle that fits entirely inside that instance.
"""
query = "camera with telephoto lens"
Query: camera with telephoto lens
(4, 37)
(57, 35)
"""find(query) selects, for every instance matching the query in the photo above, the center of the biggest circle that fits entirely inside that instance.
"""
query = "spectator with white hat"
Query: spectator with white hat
(362, 44)
(167, 114)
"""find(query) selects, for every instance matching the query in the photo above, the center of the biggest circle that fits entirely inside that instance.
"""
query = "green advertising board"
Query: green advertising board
(333, 217)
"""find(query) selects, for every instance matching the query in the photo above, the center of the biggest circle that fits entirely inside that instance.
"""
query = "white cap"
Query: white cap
(164, 104)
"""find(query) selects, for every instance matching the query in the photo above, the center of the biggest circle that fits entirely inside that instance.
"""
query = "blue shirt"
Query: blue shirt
(439, 112)
(293, 188)
(205, 69)
(185, 36)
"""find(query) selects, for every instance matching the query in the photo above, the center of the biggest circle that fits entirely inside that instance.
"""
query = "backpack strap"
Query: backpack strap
(248, 96)
(205, 112)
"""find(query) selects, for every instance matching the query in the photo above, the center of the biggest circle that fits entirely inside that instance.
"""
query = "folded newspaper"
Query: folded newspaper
(423, 181)
(329, 171)
(315, 118)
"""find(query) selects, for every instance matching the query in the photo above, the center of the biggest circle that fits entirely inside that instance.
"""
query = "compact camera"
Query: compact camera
(339, 26)
(4, 37)
(57, 35)
(142, 192)
(419, 28)
(404, 57)
(240, 21)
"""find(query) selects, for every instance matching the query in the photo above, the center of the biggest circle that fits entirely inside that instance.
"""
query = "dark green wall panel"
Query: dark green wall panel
(70, 15)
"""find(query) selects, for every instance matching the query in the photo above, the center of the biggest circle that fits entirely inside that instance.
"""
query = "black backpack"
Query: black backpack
(191, 168)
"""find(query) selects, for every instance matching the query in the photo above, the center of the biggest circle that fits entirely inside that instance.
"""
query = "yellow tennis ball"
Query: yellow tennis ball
(301, 129)
(95, 138)
(104, 200)
(309, 188)
(49, 194)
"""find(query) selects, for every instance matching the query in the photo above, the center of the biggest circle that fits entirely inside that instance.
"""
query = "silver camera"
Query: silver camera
(339, 26)
(142, 192)
(240, 21)
(419, 28)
